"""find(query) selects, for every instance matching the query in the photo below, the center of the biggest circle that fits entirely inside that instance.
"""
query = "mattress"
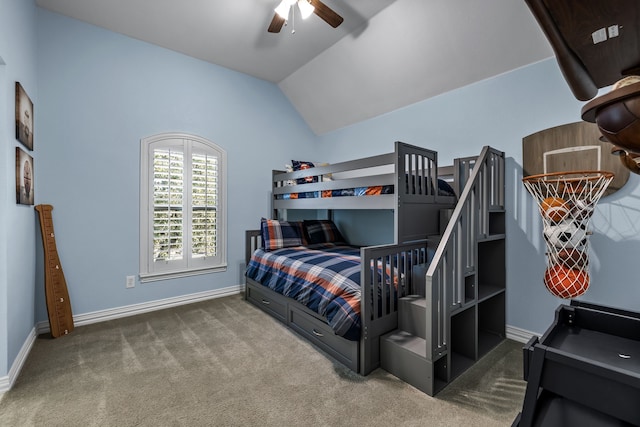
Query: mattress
(345, 192)
(444, 189)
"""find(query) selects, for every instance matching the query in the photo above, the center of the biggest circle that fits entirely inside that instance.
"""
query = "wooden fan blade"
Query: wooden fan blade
(276, 24)
(326, 13)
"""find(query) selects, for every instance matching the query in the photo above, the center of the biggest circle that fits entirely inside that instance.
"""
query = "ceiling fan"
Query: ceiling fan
(307, 7)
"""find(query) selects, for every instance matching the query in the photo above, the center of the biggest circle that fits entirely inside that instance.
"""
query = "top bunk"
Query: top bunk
(408, 175)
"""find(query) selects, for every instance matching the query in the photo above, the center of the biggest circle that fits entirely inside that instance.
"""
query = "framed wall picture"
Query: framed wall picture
(24, 177)
(24, 117)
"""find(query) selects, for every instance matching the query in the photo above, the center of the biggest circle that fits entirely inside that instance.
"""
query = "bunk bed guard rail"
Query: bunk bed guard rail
(407, 180)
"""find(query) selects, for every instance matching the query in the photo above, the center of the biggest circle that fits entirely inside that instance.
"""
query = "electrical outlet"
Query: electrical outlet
(613, 31)
(131, 281)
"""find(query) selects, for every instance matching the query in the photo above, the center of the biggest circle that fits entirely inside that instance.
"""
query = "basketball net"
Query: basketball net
(567, 201)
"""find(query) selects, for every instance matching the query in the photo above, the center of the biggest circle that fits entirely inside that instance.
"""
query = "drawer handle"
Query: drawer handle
(265, 302)
(316, 333)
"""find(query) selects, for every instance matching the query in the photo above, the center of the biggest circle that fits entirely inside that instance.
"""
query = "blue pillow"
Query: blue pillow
(444, 189)
(299, 166)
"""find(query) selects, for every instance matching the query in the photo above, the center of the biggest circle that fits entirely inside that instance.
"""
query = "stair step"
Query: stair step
(404, 355)
(408, 342)
(412, 312)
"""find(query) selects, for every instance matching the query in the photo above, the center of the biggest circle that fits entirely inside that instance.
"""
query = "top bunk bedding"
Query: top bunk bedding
(444, 189)
(409, 174)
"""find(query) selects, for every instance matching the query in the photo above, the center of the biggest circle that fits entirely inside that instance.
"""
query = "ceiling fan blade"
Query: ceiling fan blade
(326, 13)
(276, 24)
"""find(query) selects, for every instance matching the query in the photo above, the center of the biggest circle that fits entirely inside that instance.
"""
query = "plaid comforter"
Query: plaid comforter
(323, 277)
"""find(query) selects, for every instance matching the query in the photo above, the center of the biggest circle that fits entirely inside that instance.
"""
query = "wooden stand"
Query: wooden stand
(55, 286)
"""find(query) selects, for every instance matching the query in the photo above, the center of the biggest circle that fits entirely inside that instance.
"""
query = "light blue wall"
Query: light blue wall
(100, 93)
(500, 112)
(96, 94)
(17, 231)
(4, 203)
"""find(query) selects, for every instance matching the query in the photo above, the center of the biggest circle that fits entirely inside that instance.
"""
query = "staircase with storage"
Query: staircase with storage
(456, 314)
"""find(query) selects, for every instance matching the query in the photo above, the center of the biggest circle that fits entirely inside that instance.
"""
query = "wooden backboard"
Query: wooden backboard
(571, 147)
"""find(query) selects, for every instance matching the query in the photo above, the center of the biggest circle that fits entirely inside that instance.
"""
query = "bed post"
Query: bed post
(275, 184)
(369, 352)
(252, 241)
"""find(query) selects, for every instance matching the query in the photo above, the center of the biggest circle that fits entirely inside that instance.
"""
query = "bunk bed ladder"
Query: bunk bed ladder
(458, 314)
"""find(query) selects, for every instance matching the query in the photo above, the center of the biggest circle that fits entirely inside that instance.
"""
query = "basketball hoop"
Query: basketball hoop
(566, 201)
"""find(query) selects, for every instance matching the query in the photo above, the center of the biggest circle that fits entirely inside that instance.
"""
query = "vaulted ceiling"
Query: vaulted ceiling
(387, 54)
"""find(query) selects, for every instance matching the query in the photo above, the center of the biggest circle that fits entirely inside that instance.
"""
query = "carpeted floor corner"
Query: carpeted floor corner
(224, 362)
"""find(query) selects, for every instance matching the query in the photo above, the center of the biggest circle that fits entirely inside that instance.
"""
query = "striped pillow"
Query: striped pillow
(280, 234)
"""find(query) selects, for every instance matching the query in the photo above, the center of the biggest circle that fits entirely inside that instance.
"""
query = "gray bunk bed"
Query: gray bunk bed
(418, 209)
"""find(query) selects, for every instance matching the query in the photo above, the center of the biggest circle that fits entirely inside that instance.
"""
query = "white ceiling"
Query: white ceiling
(386, 55)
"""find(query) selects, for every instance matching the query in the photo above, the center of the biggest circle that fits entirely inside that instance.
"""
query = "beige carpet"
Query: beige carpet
(225, 363)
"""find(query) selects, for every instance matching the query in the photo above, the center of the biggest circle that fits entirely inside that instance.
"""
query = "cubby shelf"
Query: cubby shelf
(478, 325)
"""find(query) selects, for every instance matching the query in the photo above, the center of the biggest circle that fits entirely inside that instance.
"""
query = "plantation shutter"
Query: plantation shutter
(183, 214)
(204, 201)
(168, 190)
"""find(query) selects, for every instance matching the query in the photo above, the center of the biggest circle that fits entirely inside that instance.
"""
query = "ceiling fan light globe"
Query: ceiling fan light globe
(283, 9)
(306, 8)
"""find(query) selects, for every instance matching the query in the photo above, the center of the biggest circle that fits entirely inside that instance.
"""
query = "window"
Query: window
(182, 207)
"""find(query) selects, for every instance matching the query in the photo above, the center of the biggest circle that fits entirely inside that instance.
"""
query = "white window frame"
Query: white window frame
(151, 270)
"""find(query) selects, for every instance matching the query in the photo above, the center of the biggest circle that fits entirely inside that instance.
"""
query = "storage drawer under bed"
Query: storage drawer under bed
(319, 333)
(272, 303)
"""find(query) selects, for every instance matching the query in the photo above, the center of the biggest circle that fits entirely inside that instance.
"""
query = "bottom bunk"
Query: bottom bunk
(343, 312)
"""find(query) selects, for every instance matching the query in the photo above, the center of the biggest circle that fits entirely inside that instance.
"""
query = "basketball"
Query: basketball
(555, 208)
(567, 234)
(619, 122)
(566, 282)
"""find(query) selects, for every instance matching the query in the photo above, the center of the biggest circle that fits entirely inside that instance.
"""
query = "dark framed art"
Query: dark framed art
(24, 177)
(24, 117)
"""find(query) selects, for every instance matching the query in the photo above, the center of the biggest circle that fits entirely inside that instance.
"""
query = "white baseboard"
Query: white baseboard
(520, 335)
(103, 315)
(132, 310)
(7, 382)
